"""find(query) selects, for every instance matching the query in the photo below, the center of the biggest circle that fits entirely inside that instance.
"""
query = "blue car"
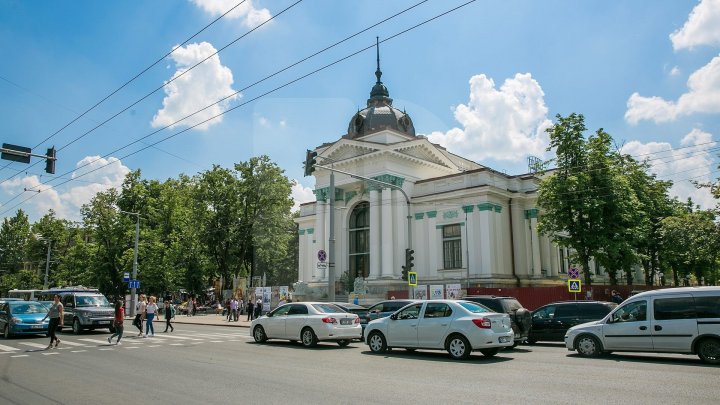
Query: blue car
(23, 318)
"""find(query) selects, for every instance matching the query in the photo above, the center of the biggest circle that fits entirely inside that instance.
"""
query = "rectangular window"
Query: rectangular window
(674, 308)
(452, 247)
(708, 307)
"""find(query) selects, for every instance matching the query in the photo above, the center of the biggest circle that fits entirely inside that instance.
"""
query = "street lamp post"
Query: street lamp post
(47, 264)
(133, 291)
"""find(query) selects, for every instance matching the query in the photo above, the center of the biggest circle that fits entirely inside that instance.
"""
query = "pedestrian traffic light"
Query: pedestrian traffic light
(50, 160)
(310, 162)
(408, 263)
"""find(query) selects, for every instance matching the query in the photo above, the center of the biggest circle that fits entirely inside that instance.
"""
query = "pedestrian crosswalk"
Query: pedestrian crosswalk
(21, 348)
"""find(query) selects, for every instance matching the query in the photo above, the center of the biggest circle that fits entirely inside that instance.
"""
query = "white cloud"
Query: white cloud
(675, 71)
(301, 194)
(694, 162)
(505, 124)
(703, 97)
(246, 12)
(66, 201)
(701, 28)
(204, 85)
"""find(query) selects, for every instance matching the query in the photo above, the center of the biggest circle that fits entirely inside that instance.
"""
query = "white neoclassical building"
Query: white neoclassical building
(469, 224)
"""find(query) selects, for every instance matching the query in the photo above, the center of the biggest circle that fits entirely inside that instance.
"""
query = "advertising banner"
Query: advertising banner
(266, 298)
(452, 291)
(421, 292)
(284, 293)
(436, 292)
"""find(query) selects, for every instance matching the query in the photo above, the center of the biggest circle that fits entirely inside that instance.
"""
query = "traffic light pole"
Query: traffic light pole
(331, 247)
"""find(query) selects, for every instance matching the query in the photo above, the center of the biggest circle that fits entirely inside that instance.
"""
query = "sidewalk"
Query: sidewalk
(210, 319)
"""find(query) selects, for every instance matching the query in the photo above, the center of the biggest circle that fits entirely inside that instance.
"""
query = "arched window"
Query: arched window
(359, 229)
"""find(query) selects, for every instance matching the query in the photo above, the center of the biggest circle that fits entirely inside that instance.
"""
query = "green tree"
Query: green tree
(14, 237)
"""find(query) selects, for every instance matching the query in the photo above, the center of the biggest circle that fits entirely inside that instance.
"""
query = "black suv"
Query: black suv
(520, 316)
(550, 322)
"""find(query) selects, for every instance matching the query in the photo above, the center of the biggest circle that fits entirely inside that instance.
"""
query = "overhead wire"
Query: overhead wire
(126, 83)
(286, 84)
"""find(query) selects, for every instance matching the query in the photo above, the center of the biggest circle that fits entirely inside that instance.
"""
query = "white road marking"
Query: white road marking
(8, 348)
(107, 349)
(21, 355)
(35, 345)
(104, 342)
(48, 354)
(78, 351)
(135, 347)
(176, 344)
(176, 337)
(65, 342)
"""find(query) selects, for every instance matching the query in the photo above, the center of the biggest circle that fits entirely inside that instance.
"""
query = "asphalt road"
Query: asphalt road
(210, 364)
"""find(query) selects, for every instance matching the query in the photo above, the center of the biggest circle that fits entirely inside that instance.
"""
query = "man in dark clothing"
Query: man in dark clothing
(616, 297)
(250, 310)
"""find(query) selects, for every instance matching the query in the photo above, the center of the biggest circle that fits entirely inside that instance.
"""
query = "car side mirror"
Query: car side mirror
(393, 317)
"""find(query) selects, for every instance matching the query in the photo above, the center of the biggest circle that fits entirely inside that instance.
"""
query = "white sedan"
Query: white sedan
(308, 322)
(456, 326)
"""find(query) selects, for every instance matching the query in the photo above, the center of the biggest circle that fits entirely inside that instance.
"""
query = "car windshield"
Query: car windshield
(473, 307)
(327, 308)
(91, 301)
(29, 308)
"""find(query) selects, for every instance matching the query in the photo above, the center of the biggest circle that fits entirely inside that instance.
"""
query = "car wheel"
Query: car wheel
(259, 334)
(343, 343)
(588, 346)
(709, 351)
(6, 332)
(377, 343)
(458, 347)
(308, 337)
(76, 328)
(490, 352)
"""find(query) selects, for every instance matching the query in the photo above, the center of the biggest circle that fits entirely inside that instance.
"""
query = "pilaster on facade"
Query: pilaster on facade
(500, 245)
(434, 245)
(487, 226)
(375, 239)
(399, 230)
(535, 245)
(387, 236)
(319, 235)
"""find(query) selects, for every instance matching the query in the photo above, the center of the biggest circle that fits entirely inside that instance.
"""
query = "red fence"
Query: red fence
(535, 297)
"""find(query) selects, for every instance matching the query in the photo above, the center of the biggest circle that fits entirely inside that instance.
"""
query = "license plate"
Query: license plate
(504, 339)
(36, 327)
(346, 322)
(102, 322)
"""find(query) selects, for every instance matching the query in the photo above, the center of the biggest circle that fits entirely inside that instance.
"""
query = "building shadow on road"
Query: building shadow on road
(440, 356)
(689, 360)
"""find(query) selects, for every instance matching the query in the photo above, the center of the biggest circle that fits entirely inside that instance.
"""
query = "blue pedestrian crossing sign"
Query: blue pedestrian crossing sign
(134, 284)
(574, 285)
(412, 278)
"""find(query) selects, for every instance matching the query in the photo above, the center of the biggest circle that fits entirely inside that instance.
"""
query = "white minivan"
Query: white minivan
(673, 320)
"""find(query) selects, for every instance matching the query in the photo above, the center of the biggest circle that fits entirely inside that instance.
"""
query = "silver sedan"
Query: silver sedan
(308, 322)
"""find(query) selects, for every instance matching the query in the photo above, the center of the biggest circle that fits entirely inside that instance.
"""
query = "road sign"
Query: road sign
(412, 278)
(16, 153)
(126, 277)
(574, 285)
(322, 266)
(574, 273)
(322, 255)
(134, 284)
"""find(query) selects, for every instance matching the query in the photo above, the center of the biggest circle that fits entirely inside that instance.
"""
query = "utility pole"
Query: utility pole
(331, 241)
(133, 291)
(47, 264)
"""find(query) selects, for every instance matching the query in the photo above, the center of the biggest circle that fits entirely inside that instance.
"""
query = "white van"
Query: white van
(674, 320)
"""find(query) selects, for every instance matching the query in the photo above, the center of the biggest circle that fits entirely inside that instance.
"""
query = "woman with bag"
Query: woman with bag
(118, 323)
(56, 319)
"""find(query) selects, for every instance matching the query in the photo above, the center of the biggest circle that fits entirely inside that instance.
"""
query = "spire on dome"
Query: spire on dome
(379, 92)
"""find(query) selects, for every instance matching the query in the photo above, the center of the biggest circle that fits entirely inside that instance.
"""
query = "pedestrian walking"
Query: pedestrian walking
(195, 306)
(118, 322)
(250, 310)
(140, 314)
(258, 308)
(227, 312)
(616, 297)
(169, 315)
(151, 310)
(55, 313)
(234, 309)
(190, 307)
(241, 306)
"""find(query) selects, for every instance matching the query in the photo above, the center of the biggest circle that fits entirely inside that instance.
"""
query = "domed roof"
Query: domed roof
(379, 114)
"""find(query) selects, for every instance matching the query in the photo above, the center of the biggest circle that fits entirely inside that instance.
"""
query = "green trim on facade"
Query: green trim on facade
(498, 208)
(321, 194)
(455, 223)
(468, 208)
(450, 214)
(531, 213)
(310, 231)
(419, 216)
(349, 195)
(302, 232)
(486, 206)
(431, 214)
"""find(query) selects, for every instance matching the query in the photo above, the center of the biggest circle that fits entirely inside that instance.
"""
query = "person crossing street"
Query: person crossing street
(169, 315)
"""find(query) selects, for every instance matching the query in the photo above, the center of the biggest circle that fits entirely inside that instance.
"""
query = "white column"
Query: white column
(434, 245)
(519, 239)
(535, 248)
(309, 262)
(470, 252)
(387, 236)
(500, 247)
(554, 259)
(486, 251)
(400, 231)
(319, 235)
(545, 244)
(302, 262)
(375, 247)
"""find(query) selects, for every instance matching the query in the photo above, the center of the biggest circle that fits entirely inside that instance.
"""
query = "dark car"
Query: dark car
(356, 309)
(22, 318)
(83, 308)
(550, 322)
(381, 310)
(520, 316)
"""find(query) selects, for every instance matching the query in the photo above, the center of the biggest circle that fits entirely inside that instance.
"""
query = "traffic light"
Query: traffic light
(408, 263)
(50, 160)
(310, 162)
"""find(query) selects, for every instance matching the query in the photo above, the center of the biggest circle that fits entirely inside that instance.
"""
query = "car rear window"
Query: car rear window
(707, 307)
(327, 308)
(473, 307)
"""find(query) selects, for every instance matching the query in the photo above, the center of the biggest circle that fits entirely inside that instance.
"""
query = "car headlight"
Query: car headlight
(16, 320)
(84, 314)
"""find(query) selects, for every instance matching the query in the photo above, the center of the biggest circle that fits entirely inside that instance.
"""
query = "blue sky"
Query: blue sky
(484, 81)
